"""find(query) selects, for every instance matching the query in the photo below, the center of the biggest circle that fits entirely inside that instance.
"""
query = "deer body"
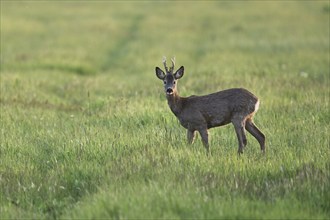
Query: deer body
(212, 110)
(200, 113)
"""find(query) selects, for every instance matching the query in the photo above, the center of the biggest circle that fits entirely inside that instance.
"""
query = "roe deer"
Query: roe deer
(199, 113)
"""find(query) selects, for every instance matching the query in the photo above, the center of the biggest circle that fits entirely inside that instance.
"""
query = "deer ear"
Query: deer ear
(159, 73)
(179, 73)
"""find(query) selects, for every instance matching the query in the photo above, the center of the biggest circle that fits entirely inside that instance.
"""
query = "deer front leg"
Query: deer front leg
(190, 136)
(205, 138)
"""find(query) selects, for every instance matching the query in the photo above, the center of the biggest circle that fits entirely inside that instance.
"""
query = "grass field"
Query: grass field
(86, 131)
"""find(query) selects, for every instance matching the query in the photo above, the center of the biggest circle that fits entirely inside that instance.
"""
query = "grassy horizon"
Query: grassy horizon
(86, 131)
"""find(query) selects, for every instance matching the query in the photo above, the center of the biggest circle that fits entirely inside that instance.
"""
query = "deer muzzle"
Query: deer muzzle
(169, 91)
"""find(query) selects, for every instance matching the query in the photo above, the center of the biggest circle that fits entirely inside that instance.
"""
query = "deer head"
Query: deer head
(169, 78)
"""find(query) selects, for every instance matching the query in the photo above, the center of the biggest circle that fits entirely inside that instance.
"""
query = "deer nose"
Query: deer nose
(169, 91)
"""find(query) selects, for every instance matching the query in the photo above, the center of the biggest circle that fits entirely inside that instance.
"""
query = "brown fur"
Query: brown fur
(200, 113)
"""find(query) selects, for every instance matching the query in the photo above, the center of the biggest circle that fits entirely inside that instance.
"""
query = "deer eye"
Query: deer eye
(174, 82)
(164, 82)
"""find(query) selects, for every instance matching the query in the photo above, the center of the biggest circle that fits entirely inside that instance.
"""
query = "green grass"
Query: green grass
(86, 131)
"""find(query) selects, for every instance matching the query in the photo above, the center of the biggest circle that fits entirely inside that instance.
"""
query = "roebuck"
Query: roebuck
(199, 113)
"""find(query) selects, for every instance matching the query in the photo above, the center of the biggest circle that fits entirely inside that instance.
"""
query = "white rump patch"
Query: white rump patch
(256, 107)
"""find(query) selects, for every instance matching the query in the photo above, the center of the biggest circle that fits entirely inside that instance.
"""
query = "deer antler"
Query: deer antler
(171, 68)
(164, 62)
(173, 64)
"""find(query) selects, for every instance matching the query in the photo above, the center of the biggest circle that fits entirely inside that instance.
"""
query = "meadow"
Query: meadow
(85, 127)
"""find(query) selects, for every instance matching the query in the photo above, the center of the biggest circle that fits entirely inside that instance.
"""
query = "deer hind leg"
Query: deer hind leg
(241, 136)
(205, 138)
(190, 136)
(253, 129)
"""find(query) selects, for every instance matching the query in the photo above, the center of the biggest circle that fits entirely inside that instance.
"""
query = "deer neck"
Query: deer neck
(175, 103)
